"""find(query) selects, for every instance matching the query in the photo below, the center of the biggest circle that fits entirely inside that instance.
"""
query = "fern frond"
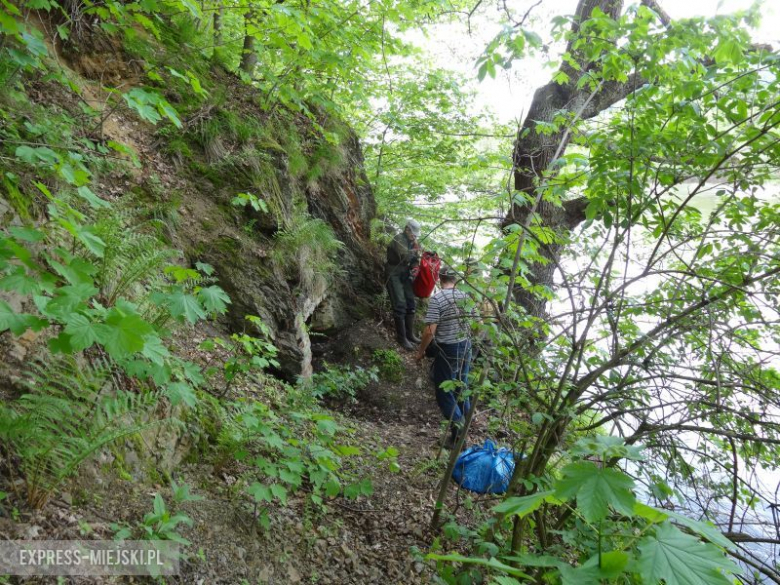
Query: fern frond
(70, 412)
(133, 253)
(310, 246)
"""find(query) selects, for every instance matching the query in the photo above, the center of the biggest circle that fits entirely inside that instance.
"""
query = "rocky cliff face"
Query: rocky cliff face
(258, 285)
(271, 262)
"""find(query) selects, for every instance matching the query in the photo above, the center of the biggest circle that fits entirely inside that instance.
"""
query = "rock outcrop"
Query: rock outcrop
(243, 245)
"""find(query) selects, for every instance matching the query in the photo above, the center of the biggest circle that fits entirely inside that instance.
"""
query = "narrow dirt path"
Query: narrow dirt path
(370, 540)
(393, 522)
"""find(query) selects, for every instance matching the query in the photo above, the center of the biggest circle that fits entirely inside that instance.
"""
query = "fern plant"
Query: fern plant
(136, 264)
(307, 250)
(70, 412)
(133, 253)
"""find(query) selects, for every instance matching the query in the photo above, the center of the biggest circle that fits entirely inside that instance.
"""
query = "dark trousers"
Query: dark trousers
(399, 287)
(452, 361)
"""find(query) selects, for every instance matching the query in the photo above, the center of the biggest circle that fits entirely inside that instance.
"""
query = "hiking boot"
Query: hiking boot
(409, 324)
(400, 333)
(452, 439)
(449, 443)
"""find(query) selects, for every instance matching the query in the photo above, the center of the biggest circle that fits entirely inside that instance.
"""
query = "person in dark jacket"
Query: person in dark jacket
(403, 254)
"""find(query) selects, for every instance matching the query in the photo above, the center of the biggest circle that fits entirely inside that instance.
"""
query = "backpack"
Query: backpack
(426, 275)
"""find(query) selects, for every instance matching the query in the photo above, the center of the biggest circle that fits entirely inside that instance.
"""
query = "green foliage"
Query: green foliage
(423, 147)
(675, 557)
(653, 317)
(308, 58)
(86, 296)
(66, 417)
(248, 199)
(693, 316)
(132, 256)
(151, 106)
(389, 363)
(233, 145)
(188, 81)
(596, 489)
(99, 279)
(291, 449)
(27, 50)
(599, 538)
(510, 44)
(307, 251)
(340, 382)
(161, 523)
(246, 355)
(327, 158)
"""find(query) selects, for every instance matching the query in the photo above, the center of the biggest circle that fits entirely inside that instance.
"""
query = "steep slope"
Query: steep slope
(277, 203)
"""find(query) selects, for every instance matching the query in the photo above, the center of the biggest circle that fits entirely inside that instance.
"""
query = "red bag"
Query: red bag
(427, 275)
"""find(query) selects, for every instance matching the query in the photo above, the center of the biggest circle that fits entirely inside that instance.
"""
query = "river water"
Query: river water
(759, 518)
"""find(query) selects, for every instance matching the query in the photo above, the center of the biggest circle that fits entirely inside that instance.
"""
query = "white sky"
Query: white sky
(510, 93)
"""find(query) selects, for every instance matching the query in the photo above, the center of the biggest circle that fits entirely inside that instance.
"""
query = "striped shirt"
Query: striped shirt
(447, 309)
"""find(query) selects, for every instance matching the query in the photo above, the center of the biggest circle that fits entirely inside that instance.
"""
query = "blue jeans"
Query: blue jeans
(452, 362)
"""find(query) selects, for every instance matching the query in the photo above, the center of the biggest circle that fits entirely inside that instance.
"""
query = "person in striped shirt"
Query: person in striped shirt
(446, 338)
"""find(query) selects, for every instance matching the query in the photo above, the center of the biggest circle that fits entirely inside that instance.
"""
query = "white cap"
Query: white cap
(414, 227)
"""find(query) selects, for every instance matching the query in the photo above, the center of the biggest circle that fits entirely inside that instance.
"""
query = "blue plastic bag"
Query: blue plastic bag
(484, 469)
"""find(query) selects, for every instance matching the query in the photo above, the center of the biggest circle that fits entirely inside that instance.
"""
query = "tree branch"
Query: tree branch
(653, 428)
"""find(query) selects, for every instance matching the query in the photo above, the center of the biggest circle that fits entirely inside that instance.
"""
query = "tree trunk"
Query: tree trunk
(532, 156)
(533, 152)
(248, 54)
(219, 13)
